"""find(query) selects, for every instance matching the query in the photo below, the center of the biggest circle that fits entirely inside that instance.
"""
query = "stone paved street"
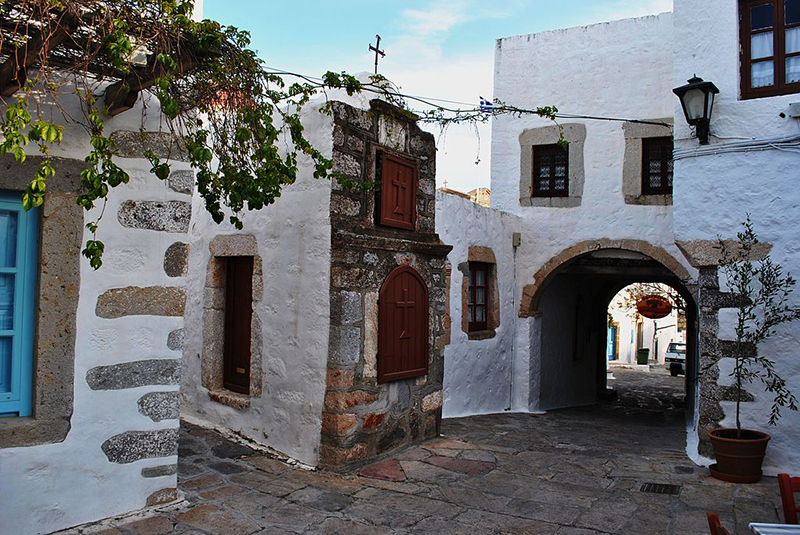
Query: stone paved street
(569, 472)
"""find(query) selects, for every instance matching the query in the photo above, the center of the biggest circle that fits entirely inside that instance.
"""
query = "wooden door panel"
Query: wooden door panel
(403, 326)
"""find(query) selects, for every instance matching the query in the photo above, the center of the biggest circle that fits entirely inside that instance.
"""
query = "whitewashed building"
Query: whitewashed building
(569, 228)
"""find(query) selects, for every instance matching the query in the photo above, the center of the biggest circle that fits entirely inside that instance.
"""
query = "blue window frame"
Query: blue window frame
(19, 237)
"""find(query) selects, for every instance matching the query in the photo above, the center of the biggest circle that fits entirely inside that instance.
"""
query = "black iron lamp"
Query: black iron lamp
(697, 100)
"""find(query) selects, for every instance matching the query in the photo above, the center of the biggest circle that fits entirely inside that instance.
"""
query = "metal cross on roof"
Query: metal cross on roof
(378, 52)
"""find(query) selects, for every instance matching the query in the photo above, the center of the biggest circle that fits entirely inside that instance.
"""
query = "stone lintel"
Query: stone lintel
(702, 253)
(135, 374)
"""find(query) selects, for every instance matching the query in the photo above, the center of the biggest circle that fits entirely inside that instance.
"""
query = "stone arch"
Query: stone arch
(532, 293)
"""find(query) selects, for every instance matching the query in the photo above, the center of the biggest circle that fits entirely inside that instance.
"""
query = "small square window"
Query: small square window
(550, 171)
(657, 166)
(478, 298)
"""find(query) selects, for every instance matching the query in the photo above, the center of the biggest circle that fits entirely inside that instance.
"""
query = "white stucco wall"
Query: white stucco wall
(294, 242)
(713, 192)
(617, 69)
(478, 373)
(54, 486)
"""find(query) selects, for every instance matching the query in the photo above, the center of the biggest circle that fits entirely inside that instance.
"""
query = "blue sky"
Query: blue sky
(439, 48)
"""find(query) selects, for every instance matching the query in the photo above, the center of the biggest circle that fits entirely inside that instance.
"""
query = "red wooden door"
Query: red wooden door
(402, 326)
(238, 317)
(398, 192)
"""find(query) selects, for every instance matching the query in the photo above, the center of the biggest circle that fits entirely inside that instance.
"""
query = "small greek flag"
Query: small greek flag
(487, 106)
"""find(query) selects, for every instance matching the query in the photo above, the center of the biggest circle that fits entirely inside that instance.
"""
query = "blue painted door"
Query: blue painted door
(611, 344)
(19, 233)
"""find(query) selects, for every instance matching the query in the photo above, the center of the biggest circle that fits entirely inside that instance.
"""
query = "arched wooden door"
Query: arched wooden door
(402, 326)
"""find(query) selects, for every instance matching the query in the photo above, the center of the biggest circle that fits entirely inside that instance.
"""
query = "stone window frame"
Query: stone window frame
(483, 255)
(222, 247)
(60, 240)
(633, 162)
(575, 135)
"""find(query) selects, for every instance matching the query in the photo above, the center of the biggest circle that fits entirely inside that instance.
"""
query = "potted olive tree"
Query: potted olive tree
(761, 293)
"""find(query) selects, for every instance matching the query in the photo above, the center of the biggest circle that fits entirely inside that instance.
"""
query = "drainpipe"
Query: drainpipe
(516, 239)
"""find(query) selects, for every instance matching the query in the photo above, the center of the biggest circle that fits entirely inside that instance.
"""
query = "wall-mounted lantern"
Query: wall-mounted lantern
(697, 99)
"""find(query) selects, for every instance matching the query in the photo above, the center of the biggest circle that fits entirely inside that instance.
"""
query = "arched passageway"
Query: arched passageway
(570, 307)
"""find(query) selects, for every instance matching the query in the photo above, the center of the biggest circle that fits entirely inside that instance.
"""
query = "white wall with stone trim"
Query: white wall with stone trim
(616, 69)
(714, 191)
(477, 373)
(294, 241)
(55, 486)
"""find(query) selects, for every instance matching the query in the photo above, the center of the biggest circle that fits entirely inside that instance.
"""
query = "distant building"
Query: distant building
(481, 196)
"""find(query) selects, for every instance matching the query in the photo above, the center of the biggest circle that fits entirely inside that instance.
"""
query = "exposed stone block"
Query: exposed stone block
(133, 144)
(231, 399)
(182, 181)
(345, 345)
(342, 277)
(159, 405)
(431, 402)
(340, 378)
(162, 496)
(715, 299)
(337, 401)
(136, 301)
(160, 471)
(343, 205)
(345, 164)
(708, 253)
(164, 216)
(352, 116)
(373, 420)
(392, 133)
(135, 374)
(176, 259)
(346, 308)
(132, 446)
(338, 424)
(370, 258)
(392, 440)
(355, 143)
(175, 340)
(336, 456)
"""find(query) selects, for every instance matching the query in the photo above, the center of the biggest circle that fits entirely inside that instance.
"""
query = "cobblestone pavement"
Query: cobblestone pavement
(568, 472)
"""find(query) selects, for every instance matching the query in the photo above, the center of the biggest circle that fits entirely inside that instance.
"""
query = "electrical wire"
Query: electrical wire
(429, 101)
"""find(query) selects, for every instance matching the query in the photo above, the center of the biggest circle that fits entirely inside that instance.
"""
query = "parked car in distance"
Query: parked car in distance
(675, 361)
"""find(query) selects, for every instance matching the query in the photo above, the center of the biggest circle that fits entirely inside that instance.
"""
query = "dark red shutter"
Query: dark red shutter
(398, 192)
(402, 326)
(238, 317)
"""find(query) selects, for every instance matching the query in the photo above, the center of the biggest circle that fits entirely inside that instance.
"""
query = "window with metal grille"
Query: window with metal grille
(398, 194)
(550, 171)
(657, 165)
(770, 47)
(238, 319)
(478, 304)
(402, 326)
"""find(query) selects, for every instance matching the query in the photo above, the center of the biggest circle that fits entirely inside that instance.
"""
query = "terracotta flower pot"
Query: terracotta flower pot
(739, 458)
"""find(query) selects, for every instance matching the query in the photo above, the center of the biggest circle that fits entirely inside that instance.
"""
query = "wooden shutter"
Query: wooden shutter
(402, 326)
(19, 231)
(398, 204)
(238, 318)
(550, 171)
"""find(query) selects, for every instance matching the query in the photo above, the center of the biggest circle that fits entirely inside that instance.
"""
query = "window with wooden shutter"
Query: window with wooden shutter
(478, 305)
(402, 326)
(657, 166)
(770, 47)
(398, 196)
(238, 318)
(19, 231)
(550, 171)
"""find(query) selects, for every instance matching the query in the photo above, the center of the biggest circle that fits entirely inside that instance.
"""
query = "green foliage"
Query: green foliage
(762, 292)
(239, 123)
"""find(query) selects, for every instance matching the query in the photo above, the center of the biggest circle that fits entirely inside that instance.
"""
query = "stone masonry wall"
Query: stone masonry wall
(363, 419)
